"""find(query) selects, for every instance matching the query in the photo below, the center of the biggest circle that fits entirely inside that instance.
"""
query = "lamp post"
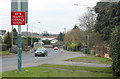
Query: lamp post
(32, 34)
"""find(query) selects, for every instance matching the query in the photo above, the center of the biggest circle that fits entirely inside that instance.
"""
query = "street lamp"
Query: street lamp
(32, 34)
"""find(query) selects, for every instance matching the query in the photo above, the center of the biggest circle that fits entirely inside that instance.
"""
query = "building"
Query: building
(54, 41)
(48, 38)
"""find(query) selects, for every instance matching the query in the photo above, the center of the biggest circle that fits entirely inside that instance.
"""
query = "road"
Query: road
(54, 57)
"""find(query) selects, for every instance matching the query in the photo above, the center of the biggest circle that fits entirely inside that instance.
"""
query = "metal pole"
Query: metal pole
(32, 37)
(87, 44)
(12, 38)
(19, 41)
(27, 34)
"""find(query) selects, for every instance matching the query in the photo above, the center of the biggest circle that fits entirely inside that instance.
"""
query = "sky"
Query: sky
(47, 15)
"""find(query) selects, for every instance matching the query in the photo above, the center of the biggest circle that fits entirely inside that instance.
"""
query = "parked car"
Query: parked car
(41, 52)
(55, 48)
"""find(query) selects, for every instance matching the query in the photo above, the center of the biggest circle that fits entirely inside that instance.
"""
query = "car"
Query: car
(41, 52)
(55, 48)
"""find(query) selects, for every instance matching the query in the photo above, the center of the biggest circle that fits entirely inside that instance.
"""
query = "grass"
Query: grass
(72, 51)
(5, 53)
(49, 72)
(91, 59)
(76, 68)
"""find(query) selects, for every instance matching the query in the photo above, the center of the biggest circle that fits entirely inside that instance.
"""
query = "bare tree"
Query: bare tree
(74, 36)
(88, 20)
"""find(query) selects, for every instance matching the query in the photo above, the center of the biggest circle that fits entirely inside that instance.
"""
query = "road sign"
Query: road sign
(24, 7)
(17, 18)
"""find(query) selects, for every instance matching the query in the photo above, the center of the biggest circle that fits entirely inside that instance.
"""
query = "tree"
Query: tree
(45, 33)
(15, 32)
(75, 35)
(88, 20)
(7, 40)
(115, 51)
(1, 39)
(60, 37)
(108, 17)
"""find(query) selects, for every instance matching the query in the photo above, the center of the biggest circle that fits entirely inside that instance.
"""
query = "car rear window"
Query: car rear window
(40, 49)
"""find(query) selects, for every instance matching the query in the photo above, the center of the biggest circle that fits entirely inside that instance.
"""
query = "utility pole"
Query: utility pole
(27, 34)
(87, 44)
(32, 37)
(12, 38)
(19, 41)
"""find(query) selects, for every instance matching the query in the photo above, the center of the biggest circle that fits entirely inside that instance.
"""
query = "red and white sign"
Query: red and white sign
(17, 18)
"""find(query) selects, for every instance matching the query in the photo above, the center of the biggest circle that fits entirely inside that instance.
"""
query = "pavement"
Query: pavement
(54, 57)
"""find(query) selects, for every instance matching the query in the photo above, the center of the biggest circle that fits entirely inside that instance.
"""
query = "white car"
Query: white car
(41, 52)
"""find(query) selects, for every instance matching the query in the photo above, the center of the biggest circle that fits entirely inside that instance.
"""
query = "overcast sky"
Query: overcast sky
(53, 15)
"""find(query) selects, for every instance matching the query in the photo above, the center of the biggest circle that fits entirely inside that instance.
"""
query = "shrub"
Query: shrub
(79, 46)
(4, 47)
(115, 51)
(66, 46)
(1, 39)
(67, 43)
(73, 47)
(14, 50)
(46, 42)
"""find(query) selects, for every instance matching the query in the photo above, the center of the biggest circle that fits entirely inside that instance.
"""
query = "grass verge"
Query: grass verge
(83, 68)
(91, 59)
(5, 53)
(49, 72)
(71, 51)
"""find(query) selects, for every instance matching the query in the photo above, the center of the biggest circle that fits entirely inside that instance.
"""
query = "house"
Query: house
(54, 41)
(48, 38)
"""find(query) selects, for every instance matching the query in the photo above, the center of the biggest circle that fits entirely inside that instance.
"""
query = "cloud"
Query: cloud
(53, 14)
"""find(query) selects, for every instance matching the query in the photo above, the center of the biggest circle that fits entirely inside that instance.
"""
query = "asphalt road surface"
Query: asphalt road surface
(54, 57)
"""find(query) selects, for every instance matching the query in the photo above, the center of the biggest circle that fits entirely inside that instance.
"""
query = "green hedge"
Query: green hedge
(115, 52)
(72, 47)
(46, 42)
(4, 47)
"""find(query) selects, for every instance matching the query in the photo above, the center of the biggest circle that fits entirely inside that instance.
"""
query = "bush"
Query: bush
(14, 50)
(66, 46)
(73, 47)
(79, 46)
(1, 39)
(4, 47)
(115, 51)
(46, 42)
(67, 43)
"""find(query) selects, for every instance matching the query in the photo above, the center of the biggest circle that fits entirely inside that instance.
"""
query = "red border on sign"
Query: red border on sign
(18, 18)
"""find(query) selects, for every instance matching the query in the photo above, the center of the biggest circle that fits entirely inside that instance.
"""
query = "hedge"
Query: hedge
(4, 47)
(115, 52)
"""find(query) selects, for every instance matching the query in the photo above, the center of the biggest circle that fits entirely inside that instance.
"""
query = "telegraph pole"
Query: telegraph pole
(19, 41)
(87, 44)
(12, 38)
(27, 34)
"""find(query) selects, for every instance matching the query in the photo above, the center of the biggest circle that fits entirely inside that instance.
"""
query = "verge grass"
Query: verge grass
(91, 59)
(41, 71)
(5, 53)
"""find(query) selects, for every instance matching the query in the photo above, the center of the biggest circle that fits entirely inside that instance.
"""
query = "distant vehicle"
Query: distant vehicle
(55, 48)
(41, 52)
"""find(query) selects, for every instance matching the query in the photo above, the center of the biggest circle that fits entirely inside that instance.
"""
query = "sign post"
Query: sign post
(19, 16)
(19, 41)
